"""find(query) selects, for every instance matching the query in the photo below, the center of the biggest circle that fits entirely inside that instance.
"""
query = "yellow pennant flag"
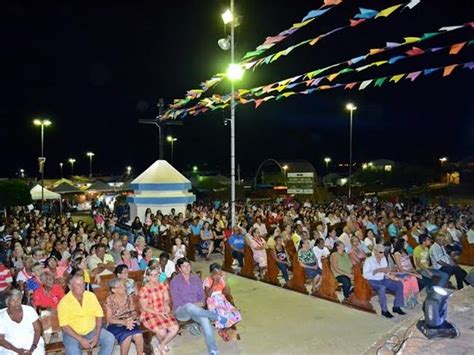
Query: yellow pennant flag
(332, 76)
(379, 63)
(314, 40)
(302, 24)
(243, 91)
(289, 93)
(277, 55)
(375, 51)
(387, 12)
(397, 78)
(411, 39)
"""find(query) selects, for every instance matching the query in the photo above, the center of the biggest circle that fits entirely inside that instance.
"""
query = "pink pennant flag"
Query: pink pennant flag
(449, 69)
(350, 86)
(354, 23)
(258, 102)
(412, 76)
(456, 48)
(415, 51)
(274, 39)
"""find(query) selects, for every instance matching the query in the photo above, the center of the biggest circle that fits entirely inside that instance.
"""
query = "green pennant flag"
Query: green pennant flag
(346, 70)
(428, 35)
(253, 54)
(279, 97)
(379, 82)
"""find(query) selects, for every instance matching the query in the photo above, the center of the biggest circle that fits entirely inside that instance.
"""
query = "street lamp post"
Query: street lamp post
(90, 155)
(234, 72)
(60, 170)
(42, 160)
(327, 160)
(443, 160)
(351, 107)
(129, 170)
(72, 161)
(171, 140)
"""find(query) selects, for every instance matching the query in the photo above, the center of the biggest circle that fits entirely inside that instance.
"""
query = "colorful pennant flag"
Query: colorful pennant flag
(388, 11)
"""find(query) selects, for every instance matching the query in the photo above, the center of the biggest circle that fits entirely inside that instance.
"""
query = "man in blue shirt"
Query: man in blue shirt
(393, 228)
(237, 244)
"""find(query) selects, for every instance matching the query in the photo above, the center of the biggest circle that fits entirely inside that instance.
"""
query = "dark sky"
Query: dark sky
(96, 67)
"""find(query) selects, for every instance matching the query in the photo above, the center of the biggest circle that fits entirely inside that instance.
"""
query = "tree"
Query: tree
(14, 193)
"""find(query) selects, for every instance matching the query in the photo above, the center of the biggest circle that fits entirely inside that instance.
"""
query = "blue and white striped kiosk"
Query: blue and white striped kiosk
(160, 187)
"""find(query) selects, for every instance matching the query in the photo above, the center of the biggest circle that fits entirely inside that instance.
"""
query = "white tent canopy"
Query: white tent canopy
(48, 195)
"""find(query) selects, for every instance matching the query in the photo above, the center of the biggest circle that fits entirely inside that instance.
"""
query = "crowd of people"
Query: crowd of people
(54, 262)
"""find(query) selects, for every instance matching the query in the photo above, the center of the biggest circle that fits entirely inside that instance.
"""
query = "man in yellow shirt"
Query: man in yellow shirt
(80, 318)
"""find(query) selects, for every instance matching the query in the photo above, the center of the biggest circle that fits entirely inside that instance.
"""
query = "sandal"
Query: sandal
(223, 334)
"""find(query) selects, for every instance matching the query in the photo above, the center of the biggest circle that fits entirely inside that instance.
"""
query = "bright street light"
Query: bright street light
(227, 17)
(195, 169)
(235, 72)
(90, 155)
(61, 170)
(72, 161)
(351, 107)
(42, 122)
(129, 170)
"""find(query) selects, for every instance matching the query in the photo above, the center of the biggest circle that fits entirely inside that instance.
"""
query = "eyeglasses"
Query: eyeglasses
(381, 252)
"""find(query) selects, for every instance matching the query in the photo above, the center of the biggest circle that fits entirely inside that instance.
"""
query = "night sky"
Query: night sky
(95, 67)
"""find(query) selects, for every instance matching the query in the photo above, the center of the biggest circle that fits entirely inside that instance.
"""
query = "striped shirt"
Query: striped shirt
(5, 277)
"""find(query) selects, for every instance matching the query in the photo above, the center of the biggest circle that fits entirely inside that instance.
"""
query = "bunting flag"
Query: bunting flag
(249, 62)
(456, 48)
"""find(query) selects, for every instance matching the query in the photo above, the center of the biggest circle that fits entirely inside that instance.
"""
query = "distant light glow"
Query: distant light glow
(351, 107)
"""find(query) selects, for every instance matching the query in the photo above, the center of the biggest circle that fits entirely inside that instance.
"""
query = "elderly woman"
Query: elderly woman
(216, 289)
(341, 267)
(308, 261)
(121, 271)
(48, 294)
(140, 244)
(357, 255)
(127, 260)
(258, 246)
(20, 327)
(155, 307)
(147, 255)
(122, 318)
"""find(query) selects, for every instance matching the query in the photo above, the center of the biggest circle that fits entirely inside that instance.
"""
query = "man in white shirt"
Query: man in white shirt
(377, 273)
(470, 234)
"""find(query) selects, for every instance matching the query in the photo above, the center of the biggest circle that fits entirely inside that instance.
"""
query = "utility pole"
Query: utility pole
(160, 124)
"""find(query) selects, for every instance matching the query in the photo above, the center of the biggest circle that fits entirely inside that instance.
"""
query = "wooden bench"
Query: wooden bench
(248, 270)
(362, 294)
(467, 255)
(329, 284)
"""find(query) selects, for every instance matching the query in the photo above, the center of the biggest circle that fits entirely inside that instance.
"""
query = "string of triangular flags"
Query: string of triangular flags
(311, 79)
(362, 16)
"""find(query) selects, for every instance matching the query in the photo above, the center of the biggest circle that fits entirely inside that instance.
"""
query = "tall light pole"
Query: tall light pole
(327, 160)
(129, 170)
(234, 72)
(90, 155)
(61, 170)
(171, 140)
(42, 123)
(351, 107)
(72, 161)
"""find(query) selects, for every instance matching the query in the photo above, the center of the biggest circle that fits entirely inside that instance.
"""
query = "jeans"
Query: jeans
(455, 270)
(202, 317)
(346, 284)
(284, 270)
(381, 287)
(239, 256)
(106, 343)
(442, 279)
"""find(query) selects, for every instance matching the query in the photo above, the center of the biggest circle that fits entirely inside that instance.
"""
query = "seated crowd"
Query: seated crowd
(52, 262)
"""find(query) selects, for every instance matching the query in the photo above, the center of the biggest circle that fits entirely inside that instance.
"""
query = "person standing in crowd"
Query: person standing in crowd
(380, 278)
(188, 298)
(80, 318)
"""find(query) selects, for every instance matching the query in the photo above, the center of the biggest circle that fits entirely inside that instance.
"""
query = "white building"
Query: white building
(160, 187)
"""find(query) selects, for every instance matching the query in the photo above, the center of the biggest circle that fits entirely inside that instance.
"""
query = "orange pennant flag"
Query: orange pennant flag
(350, 86)
(456, 48)
(332, 2)
(449, 69)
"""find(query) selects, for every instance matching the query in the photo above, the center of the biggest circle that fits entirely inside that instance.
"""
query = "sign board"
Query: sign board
(300, 183)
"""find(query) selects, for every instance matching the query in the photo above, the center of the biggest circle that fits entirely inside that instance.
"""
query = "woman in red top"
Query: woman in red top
(48, 294)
